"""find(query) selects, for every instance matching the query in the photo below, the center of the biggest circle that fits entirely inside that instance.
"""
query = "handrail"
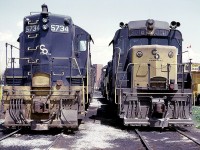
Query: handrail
(39, 90)
(67, 58)
(60, 58)
(12, 46)
(33, 49)
(121, 83)
(33, 23)
(145, 64)
(25, 58)
(87, 100)
(32, 36)
(117, 73)
(81, 78)
(33, 62)
(11, 52)
(13, 66)
(126, 71)
(61, 74)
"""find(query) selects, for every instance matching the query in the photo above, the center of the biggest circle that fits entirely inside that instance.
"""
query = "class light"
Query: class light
(44, 20)
(45, 27)
(26, 21)
(66, 21)
(175, 24)
(121, 24)
(178, 24)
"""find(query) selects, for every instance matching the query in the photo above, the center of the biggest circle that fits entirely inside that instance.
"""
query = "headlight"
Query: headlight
(139, 54)
(44, 20)
(45, 27)
(157, 56)
(26, 20)
(170, 54)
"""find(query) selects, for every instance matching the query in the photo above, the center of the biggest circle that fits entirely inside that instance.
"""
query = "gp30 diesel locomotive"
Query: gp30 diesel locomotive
(146, 78)
(52, 86)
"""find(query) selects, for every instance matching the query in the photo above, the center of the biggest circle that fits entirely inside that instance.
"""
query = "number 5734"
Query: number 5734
(59, 28)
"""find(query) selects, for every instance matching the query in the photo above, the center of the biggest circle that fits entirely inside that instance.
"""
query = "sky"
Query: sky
(101, 19)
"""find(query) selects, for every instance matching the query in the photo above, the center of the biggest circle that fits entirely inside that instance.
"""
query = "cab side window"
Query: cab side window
(82, 45)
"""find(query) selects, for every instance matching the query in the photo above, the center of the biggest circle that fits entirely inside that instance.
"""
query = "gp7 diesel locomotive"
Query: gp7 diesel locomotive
(52, 85)
(146, 77)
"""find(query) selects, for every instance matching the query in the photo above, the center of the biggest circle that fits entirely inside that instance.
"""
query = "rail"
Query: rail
(52, 144)
(12, 133)
(146, 145)
(189, 137)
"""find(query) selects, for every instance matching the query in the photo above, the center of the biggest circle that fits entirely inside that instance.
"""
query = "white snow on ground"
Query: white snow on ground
(95, 103)
(98, 136)
(164, 139)
(40, 141)
(184, 140)
(1, 121)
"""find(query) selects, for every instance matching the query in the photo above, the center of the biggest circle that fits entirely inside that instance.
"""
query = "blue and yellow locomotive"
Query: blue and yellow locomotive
(52, 86)
(146, 77)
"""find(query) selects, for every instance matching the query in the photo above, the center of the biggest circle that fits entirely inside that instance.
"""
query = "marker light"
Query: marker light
(170, 54)
(45, 27)
(44, 20)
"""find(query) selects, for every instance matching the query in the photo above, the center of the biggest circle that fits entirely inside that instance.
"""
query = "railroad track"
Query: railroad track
(188, 136)
(55, 141)
(148, 139)
(144, 142)
(10, 134)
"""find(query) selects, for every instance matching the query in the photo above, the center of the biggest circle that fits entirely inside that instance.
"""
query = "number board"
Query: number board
(161, 32)
(143, 32)
(59, 28)
(137, 32)
(32, 29)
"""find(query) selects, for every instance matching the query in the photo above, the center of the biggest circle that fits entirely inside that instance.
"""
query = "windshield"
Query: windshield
(148, 41)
